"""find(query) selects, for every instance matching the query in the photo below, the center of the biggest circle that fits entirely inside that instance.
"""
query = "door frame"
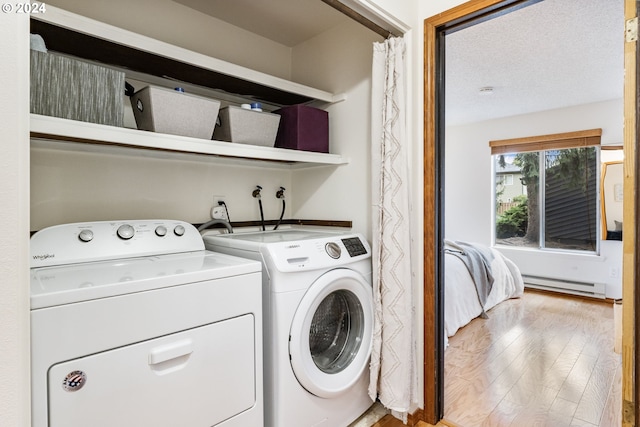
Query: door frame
(433, 167)
(631, 232)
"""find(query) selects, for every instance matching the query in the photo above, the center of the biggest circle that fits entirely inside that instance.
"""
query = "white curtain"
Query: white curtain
(393, 361)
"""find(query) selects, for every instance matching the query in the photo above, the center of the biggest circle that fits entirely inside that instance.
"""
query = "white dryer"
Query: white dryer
(136, 324)
(318, 323)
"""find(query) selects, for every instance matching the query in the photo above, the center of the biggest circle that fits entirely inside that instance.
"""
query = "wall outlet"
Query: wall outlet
(614, 272)
(217, 199)
(219, 212)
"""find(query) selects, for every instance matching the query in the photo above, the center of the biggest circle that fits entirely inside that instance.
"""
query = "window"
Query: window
(557, 206)
(504, 179)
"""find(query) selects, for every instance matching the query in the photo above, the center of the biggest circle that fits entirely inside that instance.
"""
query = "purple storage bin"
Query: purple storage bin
(303, 128)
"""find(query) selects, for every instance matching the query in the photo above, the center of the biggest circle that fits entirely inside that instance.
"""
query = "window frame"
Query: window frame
(541, 144)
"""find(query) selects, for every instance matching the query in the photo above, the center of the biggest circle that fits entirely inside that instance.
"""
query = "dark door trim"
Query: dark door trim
(435, 28)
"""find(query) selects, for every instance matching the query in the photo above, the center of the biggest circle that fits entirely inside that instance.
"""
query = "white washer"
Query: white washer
(136, 324)
(318, 322)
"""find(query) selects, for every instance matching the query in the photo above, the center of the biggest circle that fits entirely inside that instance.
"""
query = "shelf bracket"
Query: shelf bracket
(339, 97)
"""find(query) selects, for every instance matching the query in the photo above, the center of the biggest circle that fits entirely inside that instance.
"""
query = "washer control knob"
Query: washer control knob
(161, 231)
(179, 230)
(333, 250)
(125, 232)
(85, 235)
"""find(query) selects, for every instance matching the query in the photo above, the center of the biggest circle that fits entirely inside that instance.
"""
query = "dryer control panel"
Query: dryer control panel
(103, 240)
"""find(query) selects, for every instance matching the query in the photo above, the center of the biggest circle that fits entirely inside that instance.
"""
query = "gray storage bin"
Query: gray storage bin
(247, 126)
(71, 89)
(163, 110)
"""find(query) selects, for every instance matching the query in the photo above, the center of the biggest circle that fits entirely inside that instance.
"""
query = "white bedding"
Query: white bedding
(460, 297)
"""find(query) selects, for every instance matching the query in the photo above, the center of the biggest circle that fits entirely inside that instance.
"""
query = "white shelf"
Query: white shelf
(91, 135)
(138, 55)
(111, 45)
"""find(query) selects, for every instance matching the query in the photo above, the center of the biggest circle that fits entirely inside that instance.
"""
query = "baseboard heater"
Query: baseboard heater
(594, 290)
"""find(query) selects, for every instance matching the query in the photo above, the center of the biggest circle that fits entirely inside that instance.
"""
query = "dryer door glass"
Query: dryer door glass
(336, 331)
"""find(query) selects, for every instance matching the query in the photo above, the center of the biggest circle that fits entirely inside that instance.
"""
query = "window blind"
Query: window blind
(557, 141)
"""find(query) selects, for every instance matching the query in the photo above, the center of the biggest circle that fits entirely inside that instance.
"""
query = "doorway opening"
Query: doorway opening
(436, 29)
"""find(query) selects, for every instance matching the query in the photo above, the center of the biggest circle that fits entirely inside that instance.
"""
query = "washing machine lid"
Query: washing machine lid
(255, 240)
(295, 250)
(71, 283)
(291, 235)
(90, 260)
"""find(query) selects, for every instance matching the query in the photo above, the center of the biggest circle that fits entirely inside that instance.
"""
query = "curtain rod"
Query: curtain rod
(360, 18)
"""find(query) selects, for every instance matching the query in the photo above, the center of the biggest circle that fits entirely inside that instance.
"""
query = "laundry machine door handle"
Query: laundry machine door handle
(167, 352)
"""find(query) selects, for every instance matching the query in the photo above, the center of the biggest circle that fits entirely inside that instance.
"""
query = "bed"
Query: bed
(462, 297)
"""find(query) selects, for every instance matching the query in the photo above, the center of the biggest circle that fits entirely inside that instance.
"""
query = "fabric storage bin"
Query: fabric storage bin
(303, 128)
(71, 89)
(172, 111)
(246, 126)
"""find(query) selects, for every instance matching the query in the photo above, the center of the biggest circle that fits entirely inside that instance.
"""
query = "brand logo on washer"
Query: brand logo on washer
(74, 381)
(292, 246)
(44, 256)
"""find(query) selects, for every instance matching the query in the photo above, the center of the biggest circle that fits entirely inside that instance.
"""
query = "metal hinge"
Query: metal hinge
(628, 412)
(631, 30)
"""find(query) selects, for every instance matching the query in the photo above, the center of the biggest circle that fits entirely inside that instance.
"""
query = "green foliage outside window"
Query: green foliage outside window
(513, 222)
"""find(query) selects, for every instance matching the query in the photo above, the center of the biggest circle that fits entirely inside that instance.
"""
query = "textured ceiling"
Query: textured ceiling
(552, 54)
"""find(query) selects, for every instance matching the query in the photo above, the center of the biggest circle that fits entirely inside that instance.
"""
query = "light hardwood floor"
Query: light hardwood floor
(541, 360)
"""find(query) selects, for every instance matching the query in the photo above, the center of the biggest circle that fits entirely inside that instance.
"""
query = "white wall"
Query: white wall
(468, 187)
(605, 268)
(14, 242)
(69, 187)
(127, 184)
(341, 60)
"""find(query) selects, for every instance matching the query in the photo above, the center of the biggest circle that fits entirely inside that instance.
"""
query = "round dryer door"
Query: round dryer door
(331, 333)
